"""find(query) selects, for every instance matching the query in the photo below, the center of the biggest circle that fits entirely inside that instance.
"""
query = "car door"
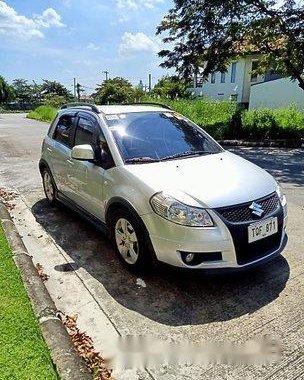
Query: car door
(60, 149)
(86, 178)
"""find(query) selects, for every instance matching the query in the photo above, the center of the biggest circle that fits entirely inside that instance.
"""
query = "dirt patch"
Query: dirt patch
(85, 348)
(7, 196)
(44, 277)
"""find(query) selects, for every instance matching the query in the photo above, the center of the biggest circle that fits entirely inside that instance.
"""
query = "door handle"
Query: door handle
(49, 150)
(70, 162)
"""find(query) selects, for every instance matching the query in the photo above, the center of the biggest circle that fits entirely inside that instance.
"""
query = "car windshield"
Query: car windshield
(158, 136)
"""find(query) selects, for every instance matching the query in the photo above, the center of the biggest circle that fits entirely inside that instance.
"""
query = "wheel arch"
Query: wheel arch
(118, 203)
(44, 165)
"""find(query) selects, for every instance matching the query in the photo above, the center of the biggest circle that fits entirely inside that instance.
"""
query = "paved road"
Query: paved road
(264, 302)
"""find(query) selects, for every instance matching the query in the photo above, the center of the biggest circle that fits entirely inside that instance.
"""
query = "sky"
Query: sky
(60, 40)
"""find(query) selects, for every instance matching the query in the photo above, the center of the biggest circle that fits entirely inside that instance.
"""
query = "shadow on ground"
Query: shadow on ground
(171, 298)
(286, 165)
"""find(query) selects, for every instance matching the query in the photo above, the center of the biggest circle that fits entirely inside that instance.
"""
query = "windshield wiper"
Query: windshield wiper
(186, 154)
(138, 160)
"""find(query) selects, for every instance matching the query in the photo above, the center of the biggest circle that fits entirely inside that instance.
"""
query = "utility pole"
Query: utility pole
(150, 82)
(107, 74)
(75, 88)
(79, 90)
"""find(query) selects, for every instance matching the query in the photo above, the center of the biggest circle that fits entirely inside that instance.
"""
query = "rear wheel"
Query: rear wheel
(130, 241)
(49, 186)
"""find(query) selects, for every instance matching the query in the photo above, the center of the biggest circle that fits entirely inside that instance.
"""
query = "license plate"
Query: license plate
(261, 230)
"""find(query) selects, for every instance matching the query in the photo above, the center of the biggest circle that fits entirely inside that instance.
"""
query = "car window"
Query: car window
(84, 132)
(159, 136)
(65, 129)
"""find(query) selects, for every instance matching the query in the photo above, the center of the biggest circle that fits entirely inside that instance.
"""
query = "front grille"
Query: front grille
(242, 213)
(248, 252)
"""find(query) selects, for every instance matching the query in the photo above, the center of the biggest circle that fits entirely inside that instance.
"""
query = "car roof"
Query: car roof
(117, 109)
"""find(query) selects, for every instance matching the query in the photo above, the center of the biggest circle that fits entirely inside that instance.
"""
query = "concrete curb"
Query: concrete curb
(285, 143)
(68, 364)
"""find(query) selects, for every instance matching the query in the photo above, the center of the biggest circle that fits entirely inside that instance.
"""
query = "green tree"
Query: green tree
(172, 87)
(55, 88)
(23, 91)
(116, 90)
(6, 91)
(209, 34)
(138, 94)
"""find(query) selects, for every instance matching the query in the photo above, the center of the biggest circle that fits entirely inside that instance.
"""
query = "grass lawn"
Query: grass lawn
(43, 113)
(23, 352)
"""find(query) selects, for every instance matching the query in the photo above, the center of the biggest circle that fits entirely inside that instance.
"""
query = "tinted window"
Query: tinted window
(157, 136)
(65, 130)
(84, 132)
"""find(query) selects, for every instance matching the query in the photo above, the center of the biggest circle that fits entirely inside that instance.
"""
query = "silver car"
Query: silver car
(162, 189)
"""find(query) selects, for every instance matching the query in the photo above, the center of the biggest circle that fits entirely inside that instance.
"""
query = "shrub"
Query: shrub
(280, 123)
(219, 119)
(290, 123)
(259, 123)
(43, 113)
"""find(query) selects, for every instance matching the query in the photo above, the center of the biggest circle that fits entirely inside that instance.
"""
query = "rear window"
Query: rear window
(64, 132)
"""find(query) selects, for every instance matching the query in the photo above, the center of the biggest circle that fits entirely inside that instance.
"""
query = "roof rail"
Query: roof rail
(92, 107)
(149, 104)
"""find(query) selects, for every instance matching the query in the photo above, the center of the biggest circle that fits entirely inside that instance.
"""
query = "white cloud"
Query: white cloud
(48, 19)
(137, 4)
(92, 46)
(13, 24)
(132, 43)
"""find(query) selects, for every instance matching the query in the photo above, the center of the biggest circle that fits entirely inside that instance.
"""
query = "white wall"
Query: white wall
(278, 93)
(223, 91)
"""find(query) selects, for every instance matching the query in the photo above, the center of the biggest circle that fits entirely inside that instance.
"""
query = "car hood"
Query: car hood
(215, 180)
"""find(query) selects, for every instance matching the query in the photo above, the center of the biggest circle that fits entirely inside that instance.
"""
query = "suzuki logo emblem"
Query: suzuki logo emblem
(256, 209)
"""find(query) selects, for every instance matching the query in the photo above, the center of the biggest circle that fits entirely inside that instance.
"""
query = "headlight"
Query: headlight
(281, 195)
(177, 212)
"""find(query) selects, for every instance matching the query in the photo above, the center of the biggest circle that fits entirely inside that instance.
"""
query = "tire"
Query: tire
(131, 242)
(49, 187)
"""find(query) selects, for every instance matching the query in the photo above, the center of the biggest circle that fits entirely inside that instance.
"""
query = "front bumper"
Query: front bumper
(170, 240)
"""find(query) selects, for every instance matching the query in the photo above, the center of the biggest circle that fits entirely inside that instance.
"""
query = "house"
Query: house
(282, 92)
(234, 84)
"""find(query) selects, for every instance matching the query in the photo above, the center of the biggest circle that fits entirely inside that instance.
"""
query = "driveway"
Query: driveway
(267, 301)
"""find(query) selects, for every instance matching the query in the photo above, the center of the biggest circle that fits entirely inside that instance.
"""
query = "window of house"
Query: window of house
(254, 66)
(223, 77)
(84, 132)
(233, 72)
(212, 79)
(65, 129)
(199, 81)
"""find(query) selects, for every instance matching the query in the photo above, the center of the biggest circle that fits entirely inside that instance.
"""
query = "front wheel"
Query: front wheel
(131, 242)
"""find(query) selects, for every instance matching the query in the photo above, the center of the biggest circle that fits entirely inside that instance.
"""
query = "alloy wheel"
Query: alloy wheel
(126, 241)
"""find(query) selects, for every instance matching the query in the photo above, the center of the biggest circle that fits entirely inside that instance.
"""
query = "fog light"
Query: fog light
(189, 257)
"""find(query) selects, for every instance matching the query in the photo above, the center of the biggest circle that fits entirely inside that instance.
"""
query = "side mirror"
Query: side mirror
(83, 152)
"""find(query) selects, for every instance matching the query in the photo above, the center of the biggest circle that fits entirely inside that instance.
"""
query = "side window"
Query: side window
(64, 131)
(84, 132)
(103, 146)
